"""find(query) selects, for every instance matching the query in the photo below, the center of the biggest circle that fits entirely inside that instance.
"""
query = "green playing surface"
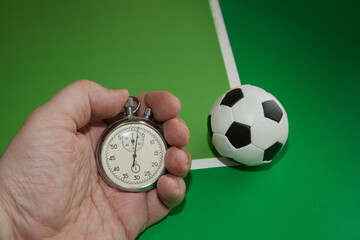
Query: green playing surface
(305, 53)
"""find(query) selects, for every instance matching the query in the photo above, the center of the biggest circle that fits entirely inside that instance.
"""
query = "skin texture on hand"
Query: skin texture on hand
(49, 184)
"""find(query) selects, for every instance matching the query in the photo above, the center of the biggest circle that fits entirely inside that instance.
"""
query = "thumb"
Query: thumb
(84, 100)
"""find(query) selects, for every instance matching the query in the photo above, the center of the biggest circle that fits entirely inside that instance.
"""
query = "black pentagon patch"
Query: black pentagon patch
(209, 126)
(272, 110)
(239, 134)
(271, 152)
(232, 97)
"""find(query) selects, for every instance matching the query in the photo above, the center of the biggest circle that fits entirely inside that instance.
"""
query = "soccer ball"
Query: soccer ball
(248, 125)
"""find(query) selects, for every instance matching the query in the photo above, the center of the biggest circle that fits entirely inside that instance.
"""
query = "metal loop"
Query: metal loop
(138, 104)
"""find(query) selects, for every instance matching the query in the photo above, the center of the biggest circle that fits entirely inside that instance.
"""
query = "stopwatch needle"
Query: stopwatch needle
(134, 156)
(132, 138)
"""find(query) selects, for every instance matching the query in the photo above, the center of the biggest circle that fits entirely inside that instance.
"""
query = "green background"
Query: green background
(305, 53)
(138, 45)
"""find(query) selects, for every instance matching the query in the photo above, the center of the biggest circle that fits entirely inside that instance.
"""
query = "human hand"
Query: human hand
(49, 184)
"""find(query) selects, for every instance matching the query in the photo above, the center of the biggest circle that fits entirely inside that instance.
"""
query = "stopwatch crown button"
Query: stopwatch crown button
(129, 103)
(147, 113)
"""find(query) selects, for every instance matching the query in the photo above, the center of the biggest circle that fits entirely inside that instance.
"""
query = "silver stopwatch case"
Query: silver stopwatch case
(130, 154)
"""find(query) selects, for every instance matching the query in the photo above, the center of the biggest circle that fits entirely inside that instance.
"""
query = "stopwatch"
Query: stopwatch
(130, 153)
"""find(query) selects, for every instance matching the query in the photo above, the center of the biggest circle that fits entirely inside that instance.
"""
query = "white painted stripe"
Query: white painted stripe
(229, 61)
(212, 163)
(233, 78)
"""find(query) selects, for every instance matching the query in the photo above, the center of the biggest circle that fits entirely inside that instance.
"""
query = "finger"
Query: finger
(176, 132)
(178, 161)
(164, 105)
(170, 192)
(84, 100)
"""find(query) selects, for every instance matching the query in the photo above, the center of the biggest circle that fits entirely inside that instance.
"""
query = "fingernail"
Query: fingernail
(184, 124)
(187, 156)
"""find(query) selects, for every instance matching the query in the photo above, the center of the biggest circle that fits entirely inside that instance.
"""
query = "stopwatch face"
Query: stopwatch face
(131, 156)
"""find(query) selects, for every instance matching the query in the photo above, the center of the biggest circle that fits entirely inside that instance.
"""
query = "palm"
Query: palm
(73, 198)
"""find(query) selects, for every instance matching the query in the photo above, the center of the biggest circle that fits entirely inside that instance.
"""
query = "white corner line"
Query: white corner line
(232, 75)
(225, 47)
(212, 163)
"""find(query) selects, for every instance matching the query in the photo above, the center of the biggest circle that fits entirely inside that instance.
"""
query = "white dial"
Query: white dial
(132, 156)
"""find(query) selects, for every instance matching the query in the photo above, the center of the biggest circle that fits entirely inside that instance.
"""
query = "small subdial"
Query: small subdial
(135, 168)
(132, 140)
